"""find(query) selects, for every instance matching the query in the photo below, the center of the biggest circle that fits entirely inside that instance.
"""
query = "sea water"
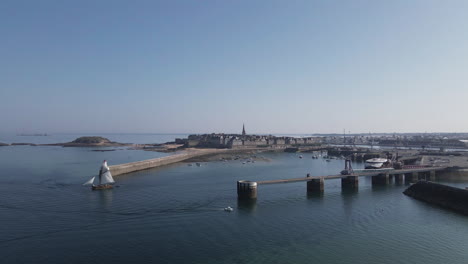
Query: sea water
(175, 214)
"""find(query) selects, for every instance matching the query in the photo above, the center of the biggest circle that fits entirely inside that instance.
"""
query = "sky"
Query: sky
(210, 66)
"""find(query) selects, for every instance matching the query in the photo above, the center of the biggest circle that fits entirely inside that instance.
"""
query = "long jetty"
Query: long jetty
(248, 189)
(158, 162)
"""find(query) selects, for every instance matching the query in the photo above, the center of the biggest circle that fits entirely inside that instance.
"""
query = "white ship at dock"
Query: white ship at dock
(376, 163)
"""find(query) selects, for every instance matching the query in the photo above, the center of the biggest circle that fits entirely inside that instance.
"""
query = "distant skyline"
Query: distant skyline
(280, 67)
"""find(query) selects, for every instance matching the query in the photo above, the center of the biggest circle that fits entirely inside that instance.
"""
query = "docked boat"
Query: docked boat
(103, 181)
(376, 163)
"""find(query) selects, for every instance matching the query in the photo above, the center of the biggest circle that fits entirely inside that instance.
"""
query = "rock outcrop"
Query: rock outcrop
(89, 142)
(448, 197)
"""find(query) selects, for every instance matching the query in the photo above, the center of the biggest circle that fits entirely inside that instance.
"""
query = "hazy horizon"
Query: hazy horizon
(348, 133)
(302, 67)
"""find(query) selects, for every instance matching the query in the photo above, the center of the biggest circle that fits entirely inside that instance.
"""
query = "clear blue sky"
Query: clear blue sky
(209, 66)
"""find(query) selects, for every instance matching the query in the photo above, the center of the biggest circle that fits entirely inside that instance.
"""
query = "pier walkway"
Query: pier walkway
(375, 173)
(248, 189)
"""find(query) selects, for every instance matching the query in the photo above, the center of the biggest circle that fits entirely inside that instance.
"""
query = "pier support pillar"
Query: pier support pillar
(315, 185)
(432, 175)
(350, 182)
(382, 178)
(411, 177)
(246, 190)
(398, 178)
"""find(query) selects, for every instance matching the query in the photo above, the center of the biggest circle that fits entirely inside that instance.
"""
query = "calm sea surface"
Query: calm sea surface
(175, 214)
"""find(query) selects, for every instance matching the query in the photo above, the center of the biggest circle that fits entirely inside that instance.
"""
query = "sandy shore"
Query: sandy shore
(241, 155)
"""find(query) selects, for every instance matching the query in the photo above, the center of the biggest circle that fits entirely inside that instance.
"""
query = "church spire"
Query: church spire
(243, 130)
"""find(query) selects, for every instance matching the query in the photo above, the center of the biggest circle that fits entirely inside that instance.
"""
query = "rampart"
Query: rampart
(153, 163)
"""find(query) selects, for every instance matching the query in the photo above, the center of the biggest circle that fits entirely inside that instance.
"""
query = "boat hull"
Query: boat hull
(102, 187)
(376, 163)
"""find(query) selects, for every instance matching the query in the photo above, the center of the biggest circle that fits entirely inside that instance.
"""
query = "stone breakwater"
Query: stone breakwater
(448, 197)
(158, 162)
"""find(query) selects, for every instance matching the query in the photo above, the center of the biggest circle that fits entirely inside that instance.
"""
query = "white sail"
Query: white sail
(104, 176)
(107, 178)
(90, 182)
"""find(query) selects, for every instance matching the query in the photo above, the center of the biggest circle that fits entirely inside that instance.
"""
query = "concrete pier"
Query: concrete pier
(315, 185)
(350, 182)
(411, 177)
(432, 175)
(424, 176)
(246, 190)
(158, 162)
(382, 178)
(398, 178)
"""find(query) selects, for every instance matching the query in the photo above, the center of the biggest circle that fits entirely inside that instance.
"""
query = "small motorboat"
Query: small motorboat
(198, 164)
(228, 209)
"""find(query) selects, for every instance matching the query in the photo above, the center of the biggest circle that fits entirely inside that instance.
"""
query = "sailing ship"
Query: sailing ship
(103, 181)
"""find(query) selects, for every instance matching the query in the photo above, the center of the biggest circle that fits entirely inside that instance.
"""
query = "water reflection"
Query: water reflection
(380, 187)
(249, 205)
(349, 191)
(101, 199)
(315, 195)
(106, 197)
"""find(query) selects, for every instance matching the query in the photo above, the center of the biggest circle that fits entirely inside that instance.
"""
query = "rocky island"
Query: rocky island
(90, 142)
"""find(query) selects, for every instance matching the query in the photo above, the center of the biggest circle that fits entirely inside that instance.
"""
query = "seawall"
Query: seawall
(158, 162)
(448, 197)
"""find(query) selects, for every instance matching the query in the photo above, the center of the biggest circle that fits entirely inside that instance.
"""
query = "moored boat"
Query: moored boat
(376, 163)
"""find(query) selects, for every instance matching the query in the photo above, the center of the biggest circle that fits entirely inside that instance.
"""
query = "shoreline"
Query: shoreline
(457, 160)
